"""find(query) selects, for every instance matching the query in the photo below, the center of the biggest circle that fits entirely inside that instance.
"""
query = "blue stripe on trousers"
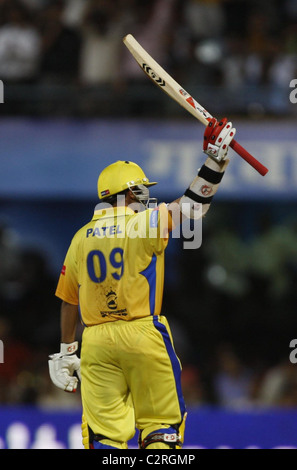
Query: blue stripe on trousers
(150, 274)
(174, 362)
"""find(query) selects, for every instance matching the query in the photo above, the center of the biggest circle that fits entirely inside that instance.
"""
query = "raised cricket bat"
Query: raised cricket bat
(175, 91)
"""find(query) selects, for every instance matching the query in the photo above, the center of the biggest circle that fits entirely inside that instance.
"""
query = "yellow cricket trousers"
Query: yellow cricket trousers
(130, 377)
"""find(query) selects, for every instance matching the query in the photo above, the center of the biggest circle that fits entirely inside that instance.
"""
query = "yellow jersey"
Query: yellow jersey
(114, 267)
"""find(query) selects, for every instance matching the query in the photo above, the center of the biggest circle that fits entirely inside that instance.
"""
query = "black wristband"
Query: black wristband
(195, 197)
(214, 177)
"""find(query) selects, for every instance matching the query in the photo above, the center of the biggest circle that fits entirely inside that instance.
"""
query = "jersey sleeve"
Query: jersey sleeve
(158, 225)
(67, 288)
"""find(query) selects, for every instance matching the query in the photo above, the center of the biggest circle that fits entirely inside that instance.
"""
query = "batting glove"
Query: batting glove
(63, 366)
(217, 138)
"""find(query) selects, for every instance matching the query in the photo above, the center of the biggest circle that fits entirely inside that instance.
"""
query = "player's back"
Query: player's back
(120, 265)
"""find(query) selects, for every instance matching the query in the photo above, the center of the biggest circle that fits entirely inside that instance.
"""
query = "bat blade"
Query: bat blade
(167, 83)
(161, 78)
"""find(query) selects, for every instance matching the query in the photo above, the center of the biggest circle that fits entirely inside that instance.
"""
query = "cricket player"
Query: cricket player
(112, 280)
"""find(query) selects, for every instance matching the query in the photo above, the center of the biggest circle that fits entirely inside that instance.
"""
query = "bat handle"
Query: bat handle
(248, 158)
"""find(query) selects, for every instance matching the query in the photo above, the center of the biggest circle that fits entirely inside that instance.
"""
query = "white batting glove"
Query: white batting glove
(63, 365)
(217, 138)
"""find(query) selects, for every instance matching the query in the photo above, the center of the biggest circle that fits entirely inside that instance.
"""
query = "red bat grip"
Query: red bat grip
(248, 157)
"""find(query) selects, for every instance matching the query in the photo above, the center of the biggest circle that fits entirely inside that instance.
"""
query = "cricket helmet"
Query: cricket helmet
(119, 176)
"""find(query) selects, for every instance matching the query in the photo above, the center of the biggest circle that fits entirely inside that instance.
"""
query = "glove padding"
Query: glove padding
(63, 365)
(217, 138)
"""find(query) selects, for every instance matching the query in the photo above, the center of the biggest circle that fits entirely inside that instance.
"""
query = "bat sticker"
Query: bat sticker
(153, 75)
(195, 105)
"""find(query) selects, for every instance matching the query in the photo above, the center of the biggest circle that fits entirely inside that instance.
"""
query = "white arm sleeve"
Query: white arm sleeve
(203, 188)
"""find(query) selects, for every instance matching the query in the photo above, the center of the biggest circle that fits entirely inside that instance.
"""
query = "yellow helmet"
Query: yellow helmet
(119, 176)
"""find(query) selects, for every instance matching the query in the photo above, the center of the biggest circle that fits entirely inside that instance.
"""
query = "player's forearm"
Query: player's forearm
(197, 198)
(69, 319)
(208, 178)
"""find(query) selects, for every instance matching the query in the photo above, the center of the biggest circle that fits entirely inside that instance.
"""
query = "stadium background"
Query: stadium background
(75, 101)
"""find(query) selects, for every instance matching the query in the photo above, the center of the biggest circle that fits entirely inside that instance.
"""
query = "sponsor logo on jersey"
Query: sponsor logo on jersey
(121, 313)
(111, 300)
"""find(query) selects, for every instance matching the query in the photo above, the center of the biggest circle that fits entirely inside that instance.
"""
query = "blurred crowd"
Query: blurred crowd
(231, 308)
(78, 43)
(243, 319)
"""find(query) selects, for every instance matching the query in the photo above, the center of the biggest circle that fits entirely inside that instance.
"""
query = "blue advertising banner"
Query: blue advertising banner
(207, 428)
(62, 158)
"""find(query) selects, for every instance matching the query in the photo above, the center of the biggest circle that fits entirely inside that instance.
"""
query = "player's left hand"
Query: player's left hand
(217, 138)
(63, 366)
